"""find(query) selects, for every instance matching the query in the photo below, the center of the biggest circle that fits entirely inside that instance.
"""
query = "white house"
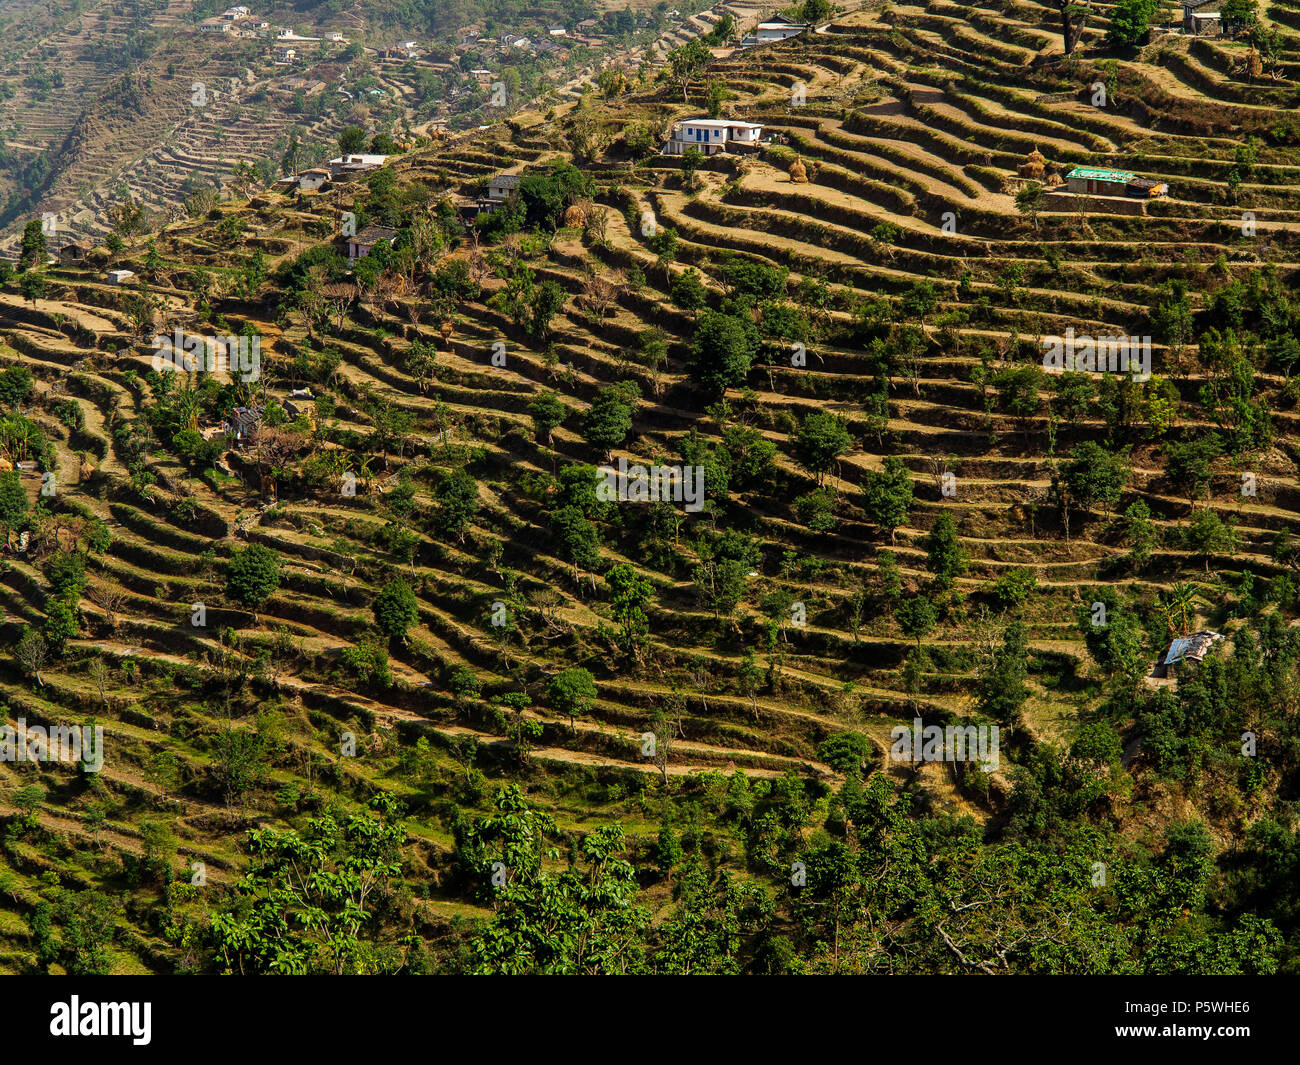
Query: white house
(501, 186)
(285, 56)
(233, 13)
(360, 245)
(214, 25)
(336, 35)
(777, 28)
(355, 164)
(712, 135)
(119, 277)
(311, 180)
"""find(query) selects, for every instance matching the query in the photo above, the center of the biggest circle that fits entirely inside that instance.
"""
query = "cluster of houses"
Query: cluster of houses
(345, 167)
(240, 22)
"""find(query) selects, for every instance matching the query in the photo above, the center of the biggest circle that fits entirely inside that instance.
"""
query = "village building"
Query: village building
(1197, 22)
(357, 163)
(777, 28)
(313, 179)
(1185, 649)
(72, 253)
(713, 135)
(242, 424)
(362, 244)
(284, 56)
(214, 25)
(500, 187)
(1103, 181)
(118, 277)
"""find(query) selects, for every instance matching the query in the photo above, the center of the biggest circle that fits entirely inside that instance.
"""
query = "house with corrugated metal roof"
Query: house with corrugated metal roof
(1191, 648)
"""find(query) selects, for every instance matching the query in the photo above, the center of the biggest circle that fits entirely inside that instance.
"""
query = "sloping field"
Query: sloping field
(904, 516)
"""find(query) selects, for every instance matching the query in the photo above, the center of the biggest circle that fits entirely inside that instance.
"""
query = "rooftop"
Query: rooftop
(1100, 173)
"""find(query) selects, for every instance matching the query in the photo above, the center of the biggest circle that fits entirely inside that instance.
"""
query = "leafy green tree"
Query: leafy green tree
(455, 503)
(13, 501)
(630, 594)
(917, 617)
(887, 495)
(34, 250)
(253, 575)
(846, 752)
(1130, 22)
(1095, 475)
(577, 539)
(548, 414)
(396, 609)
(608, 420)
(32, 285)
(1002, 690)
(581, 920)
(351, 140)
(1207, 535)
(571, 693)
(722, 351)
(319, 900)
(1190, 466)
(821, 440)
(688, 292)
(945, 556)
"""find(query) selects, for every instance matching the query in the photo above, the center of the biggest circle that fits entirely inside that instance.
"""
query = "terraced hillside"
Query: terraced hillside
(650, 736)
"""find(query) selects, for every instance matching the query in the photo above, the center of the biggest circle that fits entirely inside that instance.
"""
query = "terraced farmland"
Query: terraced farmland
(406, 576)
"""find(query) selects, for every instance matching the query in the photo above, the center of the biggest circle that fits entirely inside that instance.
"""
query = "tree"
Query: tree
(688, 292)
(571, 693)
(395, 609)
(1095, 475)
(352, 139)
(1190, 466)
(548, 414)
(253, 576)
(32, 653)
(1130, 22)
(578, 921)
(34, 250)
(1002, 690)
(577, 538)
(1074, 16)
(687, 62)
(313, 901)
(946, 558)
(32, 285)
(630, 593)
(1207, 535)
(238, 761)
(13, 501)
(1030, 200)
(1234, 14)
(722, 351)
(887, 495)
(608, 420)
(820, 441)
(455, 499)
(916, 617)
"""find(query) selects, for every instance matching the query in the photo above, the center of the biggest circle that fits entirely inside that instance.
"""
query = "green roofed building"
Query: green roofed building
(1098, 180)
(1103, 181)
